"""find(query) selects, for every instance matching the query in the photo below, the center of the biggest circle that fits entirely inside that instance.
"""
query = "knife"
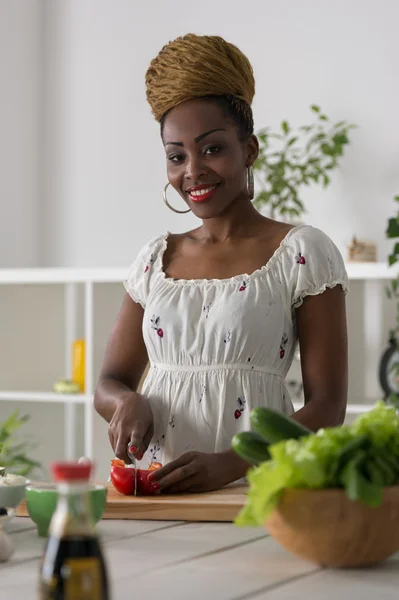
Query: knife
(133, 459)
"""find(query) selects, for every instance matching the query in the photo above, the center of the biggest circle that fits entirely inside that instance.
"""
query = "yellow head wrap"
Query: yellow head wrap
(195, 66)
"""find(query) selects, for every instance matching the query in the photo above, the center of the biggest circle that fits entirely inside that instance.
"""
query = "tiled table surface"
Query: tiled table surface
(198, 561)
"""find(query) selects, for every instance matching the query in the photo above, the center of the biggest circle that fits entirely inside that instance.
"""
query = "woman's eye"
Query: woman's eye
(212, 149)
(175, 158)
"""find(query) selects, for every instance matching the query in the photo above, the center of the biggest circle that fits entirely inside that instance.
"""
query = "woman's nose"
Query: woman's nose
(194, 169)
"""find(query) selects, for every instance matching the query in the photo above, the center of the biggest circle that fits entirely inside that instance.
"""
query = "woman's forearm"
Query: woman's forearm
(109, 394)
(315, 414)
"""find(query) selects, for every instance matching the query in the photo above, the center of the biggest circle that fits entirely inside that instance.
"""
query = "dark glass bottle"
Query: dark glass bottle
(73, 566)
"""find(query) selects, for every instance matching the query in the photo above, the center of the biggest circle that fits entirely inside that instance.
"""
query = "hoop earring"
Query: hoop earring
(165, 199)
(250, 182)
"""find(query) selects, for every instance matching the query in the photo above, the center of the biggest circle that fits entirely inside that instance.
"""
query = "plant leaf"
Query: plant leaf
(357, 486)
(292, 141)
(326, 180)
(340, 139)
(393, 228)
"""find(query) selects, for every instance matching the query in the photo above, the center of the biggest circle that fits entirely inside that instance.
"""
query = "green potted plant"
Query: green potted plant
(15, 455)
(290, 159)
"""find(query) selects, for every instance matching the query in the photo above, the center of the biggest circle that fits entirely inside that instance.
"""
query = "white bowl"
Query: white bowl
(11, 496)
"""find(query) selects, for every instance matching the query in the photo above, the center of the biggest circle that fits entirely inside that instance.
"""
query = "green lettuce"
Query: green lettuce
(362, 458)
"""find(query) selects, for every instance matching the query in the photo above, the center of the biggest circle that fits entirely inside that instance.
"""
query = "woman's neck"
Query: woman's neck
(239, 220)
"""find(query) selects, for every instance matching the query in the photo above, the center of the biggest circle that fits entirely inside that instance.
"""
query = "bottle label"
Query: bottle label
(81, 579)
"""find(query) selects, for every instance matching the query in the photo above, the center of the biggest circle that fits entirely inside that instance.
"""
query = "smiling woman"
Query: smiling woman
(218, 311)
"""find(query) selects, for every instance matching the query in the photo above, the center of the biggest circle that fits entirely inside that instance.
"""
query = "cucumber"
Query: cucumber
(273, 426)
(251, 447)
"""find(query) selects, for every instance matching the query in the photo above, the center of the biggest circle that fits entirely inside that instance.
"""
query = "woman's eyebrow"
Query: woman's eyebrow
(197, 139)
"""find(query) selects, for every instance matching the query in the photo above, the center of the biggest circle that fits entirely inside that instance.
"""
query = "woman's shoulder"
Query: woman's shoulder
(154, 243)
(309, 251)
(307, 234)
(308, 240)
(143, 269)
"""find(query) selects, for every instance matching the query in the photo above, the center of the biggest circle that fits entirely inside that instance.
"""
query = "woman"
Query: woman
(218, 311)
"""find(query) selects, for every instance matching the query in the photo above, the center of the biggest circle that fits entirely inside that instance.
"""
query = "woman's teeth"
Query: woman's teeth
(202, 191)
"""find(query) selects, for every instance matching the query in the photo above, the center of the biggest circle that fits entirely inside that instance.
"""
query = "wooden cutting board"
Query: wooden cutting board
(222, 505)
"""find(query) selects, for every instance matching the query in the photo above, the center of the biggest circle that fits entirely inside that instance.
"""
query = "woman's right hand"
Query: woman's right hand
(132, 425)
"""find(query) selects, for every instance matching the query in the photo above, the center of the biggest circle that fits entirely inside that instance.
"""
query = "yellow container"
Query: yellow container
(78, 363)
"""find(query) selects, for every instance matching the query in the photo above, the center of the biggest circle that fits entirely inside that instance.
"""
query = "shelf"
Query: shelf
(63, 275)
(374, 270)
(369, 273)
(356, 271)
(16, 396)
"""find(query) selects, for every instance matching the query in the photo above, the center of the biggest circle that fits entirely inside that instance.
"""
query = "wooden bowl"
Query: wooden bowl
(326, 528)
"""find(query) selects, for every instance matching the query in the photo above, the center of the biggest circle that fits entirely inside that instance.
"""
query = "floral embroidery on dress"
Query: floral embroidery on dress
(172, 421)
(202, 395)
(243, 286)
(241, 402)
(300, 259)
(270, 304)
(205, 309)
(155, 325)
(149, 264)
(155, 449)
(330, 266)
(227, 337)
(284, 341)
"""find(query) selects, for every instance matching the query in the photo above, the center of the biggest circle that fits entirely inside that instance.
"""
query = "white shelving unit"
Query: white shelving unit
(370, 273)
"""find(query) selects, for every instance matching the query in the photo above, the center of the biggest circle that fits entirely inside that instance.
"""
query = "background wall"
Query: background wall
(21, 79)
(105, 165)
(82, 166)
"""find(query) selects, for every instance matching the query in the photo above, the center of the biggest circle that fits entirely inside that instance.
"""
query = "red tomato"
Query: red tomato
(143, 485)
(123, 479)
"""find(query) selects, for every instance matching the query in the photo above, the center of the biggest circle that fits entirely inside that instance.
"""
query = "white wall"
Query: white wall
(20, 122)
(105, 165)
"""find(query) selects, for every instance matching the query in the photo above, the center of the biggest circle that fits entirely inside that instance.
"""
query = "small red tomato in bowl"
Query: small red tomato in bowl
(122, 478)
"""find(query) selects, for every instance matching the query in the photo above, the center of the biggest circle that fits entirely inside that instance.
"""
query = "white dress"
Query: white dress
(218, 348)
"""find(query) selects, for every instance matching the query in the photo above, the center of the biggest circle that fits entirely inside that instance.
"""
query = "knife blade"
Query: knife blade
(133, 459)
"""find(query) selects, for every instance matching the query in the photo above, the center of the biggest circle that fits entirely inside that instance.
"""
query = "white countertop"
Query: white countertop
(197, 561)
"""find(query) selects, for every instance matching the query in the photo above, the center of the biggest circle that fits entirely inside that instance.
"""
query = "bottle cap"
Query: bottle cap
(71, 471)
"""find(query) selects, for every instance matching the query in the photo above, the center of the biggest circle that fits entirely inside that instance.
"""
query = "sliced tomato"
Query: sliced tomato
(123, 479)
(144, 486)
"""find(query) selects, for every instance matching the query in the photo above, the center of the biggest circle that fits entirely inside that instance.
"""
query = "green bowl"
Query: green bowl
(41, 500)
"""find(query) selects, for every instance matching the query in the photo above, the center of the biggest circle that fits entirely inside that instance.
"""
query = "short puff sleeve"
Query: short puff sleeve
(312, 264)
(142, 272)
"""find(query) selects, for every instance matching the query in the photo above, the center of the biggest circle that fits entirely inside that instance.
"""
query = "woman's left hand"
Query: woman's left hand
(199, 472)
